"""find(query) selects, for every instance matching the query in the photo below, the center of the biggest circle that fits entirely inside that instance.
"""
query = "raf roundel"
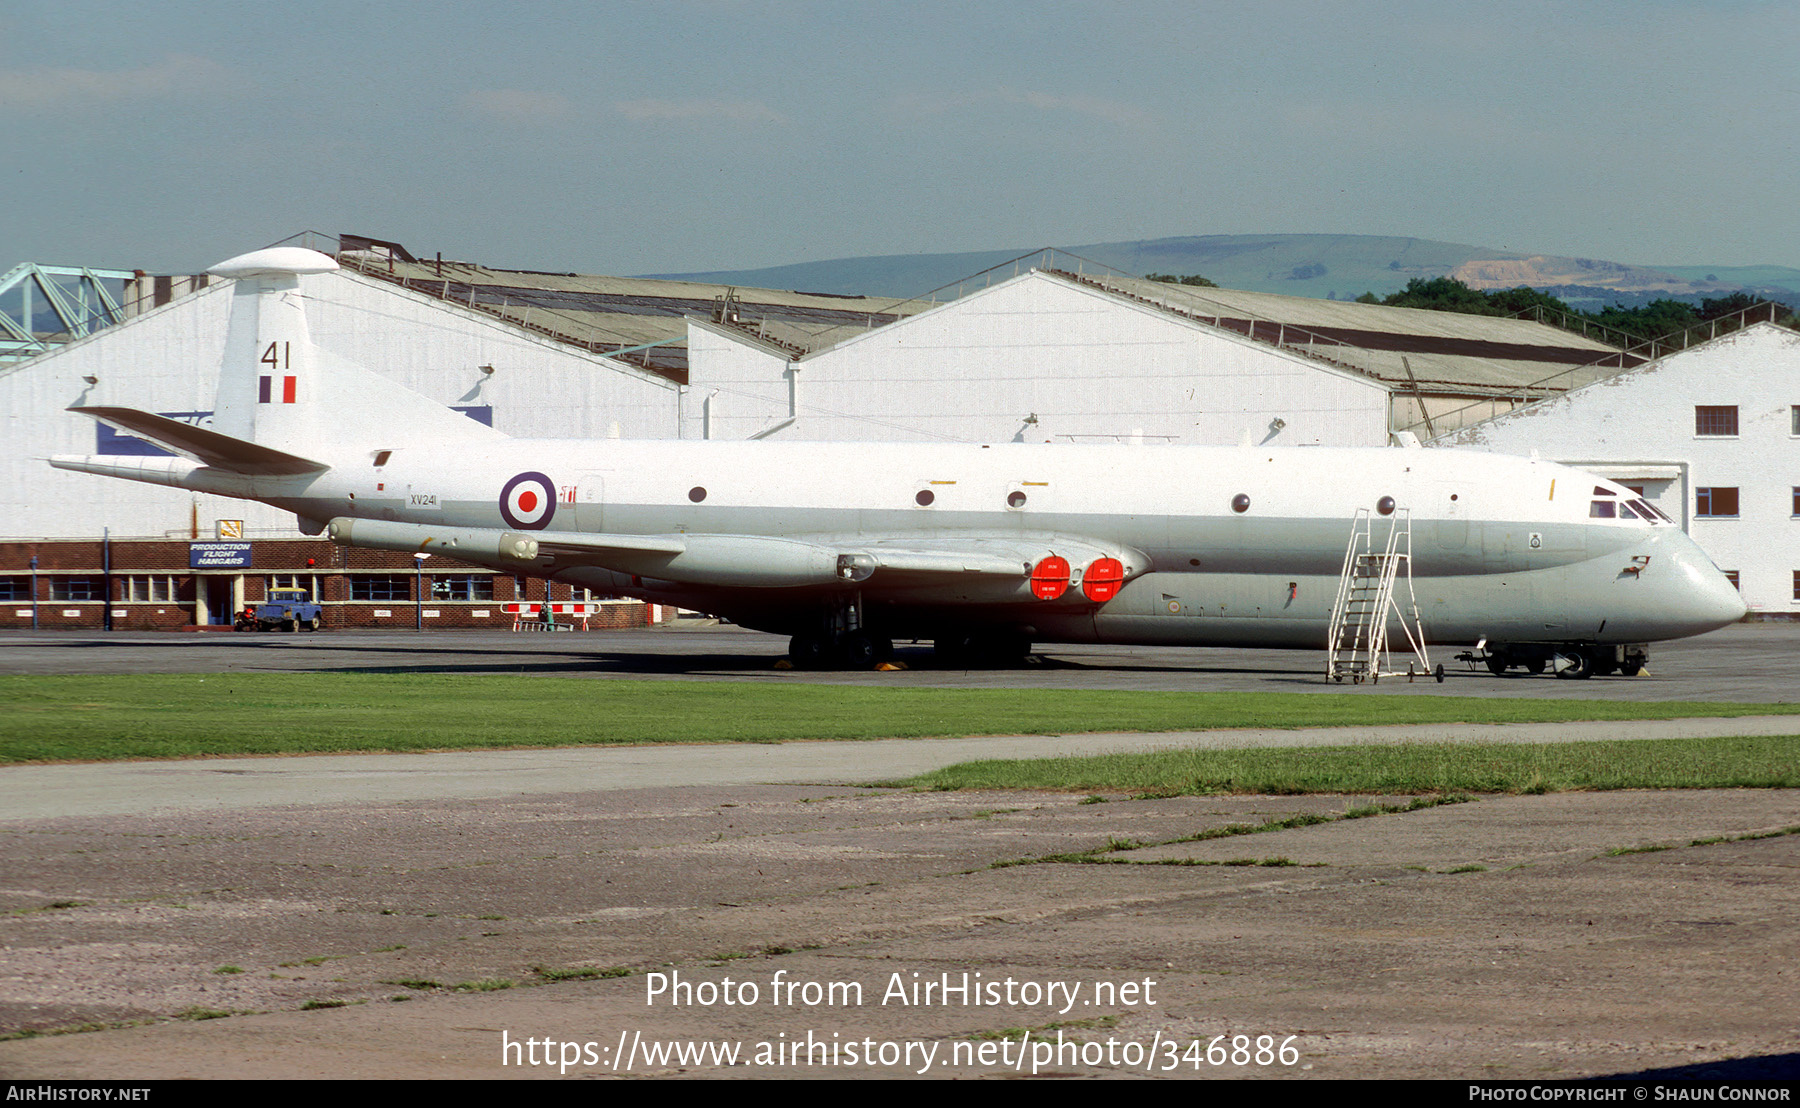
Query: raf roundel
(528, 502)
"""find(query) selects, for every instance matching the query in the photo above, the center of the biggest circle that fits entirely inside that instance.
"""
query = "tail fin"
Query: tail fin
(278, 390)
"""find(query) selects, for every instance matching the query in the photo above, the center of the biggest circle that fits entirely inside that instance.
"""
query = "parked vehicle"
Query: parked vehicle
(284, 610)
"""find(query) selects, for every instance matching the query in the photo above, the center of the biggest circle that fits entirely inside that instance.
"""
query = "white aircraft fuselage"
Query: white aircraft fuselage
(1019, 543)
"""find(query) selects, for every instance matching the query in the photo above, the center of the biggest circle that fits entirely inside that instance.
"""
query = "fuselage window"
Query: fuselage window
(1015, 499)
(1240, 503)
(925, 497)
(697, 494)
(1385, 505)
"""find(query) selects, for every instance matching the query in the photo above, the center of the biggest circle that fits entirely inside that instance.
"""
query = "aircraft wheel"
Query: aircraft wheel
(1497, 665)
(1535, 666)
(1580, 667)
(1631, 669)
(808, 652)
(858, 651)
(1439, 673)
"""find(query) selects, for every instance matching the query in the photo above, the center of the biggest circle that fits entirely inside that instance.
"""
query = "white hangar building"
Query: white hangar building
(1710, 434)
(1053, 355)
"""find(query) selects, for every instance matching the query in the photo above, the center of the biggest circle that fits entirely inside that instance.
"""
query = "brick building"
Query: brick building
(169, 585)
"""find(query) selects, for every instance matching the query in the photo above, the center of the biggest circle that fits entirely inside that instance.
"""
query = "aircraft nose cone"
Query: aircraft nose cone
(1724, 603)
(1708, 598)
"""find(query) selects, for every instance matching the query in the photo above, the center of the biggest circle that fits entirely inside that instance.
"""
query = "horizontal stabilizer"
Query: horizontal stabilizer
(208, 447)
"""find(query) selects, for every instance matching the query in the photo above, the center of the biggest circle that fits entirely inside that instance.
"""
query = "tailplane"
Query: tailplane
(204, 446)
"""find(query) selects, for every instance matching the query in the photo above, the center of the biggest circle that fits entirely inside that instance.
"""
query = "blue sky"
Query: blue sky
(712, 134)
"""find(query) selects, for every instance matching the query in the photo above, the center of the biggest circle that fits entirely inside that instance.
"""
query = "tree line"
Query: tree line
(1447, 294)
(1652, 320)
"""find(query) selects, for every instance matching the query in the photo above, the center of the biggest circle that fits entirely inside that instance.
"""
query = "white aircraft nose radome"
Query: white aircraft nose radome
(275, 261)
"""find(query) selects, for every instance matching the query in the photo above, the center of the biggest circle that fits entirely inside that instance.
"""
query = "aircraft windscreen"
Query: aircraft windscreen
(1650, 511)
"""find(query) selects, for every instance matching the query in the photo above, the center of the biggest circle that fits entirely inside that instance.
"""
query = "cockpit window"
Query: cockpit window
(1601, 509)
(1627, 512)
(1650, 511)
(1601, 491)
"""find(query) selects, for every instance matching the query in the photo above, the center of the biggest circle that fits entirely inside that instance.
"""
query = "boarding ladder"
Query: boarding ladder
(1357, 646)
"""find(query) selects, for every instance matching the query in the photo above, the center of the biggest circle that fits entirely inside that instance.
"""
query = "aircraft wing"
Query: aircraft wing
(1009, 563)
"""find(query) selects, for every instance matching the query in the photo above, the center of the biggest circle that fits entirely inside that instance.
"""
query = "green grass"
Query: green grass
(581, 973)
(95, 718)
(1737, 762)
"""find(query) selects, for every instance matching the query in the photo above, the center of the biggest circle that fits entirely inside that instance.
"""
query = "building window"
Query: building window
(151, 589)
(295, 581)
(1794, 414)
(76, 588)
(1796, 500)
(14, 589)
(462, 586)
(1732, 576)
(1797, 584)
(380, 586)
(1716, 421)
(1716, 503)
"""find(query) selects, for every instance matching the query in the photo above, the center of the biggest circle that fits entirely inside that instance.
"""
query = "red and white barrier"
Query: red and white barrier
(534, 613)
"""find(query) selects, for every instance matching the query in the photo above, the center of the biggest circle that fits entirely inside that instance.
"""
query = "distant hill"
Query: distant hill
(1338, 267)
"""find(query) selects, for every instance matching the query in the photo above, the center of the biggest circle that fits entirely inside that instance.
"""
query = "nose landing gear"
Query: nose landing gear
(1569, 661)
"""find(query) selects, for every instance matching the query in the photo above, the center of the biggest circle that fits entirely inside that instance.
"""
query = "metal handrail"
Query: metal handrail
(1644, 352)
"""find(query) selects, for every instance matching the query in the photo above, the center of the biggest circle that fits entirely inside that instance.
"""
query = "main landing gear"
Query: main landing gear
(852, 650)
(840, 641)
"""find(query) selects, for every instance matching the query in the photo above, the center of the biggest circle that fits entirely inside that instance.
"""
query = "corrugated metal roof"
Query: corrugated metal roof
(643, 320)
(619, 315)
(1444, 351)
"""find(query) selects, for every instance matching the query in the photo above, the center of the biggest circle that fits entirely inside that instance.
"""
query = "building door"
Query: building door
(220, 603)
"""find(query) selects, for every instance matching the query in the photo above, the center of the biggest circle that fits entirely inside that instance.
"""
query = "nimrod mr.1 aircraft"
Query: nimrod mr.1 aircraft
(985, 549)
